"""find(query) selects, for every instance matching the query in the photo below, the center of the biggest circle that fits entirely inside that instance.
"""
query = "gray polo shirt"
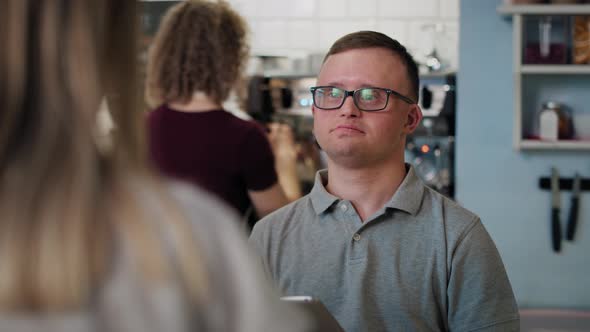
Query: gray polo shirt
(421, 263)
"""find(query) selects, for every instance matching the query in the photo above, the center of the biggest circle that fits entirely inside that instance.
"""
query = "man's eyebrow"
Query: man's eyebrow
(337, 84)
(362, 85)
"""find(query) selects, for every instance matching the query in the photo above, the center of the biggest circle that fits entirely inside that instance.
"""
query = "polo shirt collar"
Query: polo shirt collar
(408, 197)
(321, 199)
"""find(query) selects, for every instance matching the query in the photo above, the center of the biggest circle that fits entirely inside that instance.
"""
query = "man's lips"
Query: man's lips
(347, 127)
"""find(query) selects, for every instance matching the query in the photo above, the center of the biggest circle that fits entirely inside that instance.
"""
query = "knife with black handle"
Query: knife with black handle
(573, 216)
(555, 202)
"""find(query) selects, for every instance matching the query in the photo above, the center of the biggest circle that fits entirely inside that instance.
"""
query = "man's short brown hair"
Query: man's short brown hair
(200, 46)
(373, 39)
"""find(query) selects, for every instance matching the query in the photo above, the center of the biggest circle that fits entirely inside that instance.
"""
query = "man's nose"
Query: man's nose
(349, 108)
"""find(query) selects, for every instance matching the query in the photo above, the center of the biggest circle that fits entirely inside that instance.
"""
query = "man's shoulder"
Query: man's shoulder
(285, 218)
(454, 214)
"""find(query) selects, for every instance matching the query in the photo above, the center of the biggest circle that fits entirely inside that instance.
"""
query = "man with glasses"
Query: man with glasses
(381, 250)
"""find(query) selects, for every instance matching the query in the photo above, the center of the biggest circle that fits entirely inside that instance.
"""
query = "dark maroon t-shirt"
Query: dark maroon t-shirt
(215, 149)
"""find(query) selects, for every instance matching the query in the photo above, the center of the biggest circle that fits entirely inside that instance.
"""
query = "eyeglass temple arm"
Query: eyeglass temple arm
(402, 97)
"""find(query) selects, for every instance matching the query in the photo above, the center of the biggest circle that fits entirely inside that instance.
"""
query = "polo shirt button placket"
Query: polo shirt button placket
(356, 237)
(343, 207)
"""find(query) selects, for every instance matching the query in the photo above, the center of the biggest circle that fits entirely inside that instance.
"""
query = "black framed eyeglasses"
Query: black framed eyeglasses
(365, 99)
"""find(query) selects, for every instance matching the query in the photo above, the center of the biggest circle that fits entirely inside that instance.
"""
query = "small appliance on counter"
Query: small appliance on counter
(431, 148)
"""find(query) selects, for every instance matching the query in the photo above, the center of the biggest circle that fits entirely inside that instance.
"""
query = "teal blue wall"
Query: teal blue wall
(500, 183)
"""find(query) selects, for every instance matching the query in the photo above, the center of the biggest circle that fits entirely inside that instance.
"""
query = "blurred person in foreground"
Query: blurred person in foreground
(89, 239)
(195, 62)
(381, 250)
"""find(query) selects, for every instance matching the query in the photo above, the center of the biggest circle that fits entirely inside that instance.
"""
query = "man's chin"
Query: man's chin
(350, 158)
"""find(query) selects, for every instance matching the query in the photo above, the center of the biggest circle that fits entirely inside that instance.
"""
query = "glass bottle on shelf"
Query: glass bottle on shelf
(554, 122)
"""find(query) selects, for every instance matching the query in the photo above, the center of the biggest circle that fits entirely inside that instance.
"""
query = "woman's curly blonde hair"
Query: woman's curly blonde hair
(200, 46)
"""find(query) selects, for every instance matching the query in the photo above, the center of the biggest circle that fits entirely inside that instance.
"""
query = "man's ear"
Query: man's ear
(414, 118)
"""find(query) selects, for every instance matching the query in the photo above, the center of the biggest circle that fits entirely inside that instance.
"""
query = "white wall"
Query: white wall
(300, 27)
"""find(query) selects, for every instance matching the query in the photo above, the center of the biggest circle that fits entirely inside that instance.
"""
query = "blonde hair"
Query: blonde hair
(62, 201)
(200, 46)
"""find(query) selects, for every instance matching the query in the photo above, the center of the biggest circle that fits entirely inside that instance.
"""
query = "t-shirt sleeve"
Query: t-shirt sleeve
(479, 293)
(257, 160)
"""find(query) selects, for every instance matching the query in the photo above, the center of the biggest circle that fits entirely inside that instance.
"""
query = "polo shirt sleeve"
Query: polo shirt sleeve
(257, 160)
(258, 242)
(479, 293)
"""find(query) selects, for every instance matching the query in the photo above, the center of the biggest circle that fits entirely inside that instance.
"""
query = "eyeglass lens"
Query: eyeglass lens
(367, 99)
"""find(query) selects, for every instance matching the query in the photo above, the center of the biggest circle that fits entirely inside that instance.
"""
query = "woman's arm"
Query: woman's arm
(267, 200)
(285, 152)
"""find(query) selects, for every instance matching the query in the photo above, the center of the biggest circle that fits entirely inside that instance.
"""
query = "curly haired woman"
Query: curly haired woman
(195, 62)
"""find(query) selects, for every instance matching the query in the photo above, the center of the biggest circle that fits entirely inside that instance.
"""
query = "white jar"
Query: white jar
(548, 124)
(553, 122)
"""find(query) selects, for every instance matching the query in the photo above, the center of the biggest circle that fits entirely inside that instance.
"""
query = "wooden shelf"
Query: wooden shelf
(518, 13)
(529, 144)
(555, 69)
(544, 9)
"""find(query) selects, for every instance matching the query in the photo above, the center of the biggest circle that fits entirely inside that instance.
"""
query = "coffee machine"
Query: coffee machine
(431, 148)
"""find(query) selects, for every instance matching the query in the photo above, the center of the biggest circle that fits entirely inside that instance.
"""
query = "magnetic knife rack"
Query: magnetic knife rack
(564, 183)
